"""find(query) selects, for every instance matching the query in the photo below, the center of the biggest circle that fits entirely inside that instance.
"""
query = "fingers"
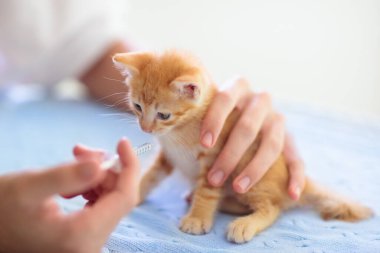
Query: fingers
(242, 136)
(83, 153)
(91, 195)
(222, 105)
(296, 169)
(270, 148)
(67, 179)
(130, 173)
(123, 197)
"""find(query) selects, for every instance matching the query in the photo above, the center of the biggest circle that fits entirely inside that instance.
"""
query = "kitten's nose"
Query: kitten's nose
(147, 129)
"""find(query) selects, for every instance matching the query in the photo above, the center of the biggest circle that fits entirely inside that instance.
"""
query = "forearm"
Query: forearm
(104, 82)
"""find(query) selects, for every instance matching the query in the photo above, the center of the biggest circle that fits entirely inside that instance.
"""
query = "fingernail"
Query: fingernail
(87, 171)
(297, 192)
(217, 177)
(207, 139)
(244, 183)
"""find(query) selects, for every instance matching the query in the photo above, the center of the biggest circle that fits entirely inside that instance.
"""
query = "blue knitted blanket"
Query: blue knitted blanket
(340, 153)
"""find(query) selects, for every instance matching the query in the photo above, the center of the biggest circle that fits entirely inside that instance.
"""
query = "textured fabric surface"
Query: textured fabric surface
(341, 154)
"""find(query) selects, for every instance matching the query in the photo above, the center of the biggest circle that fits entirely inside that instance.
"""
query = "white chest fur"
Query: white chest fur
(182, 156)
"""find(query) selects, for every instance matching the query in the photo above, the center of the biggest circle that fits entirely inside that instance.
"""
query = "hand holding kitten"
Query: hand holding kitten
(257, 116)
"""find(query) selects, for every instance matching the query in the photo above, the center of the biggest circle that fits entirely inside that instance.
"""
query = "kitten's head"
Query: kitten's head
(165, 90)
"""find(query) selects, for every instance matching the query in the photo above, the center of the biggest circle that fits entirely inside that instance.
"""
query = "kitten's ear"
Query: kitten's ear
(188, 87)
(130, 64)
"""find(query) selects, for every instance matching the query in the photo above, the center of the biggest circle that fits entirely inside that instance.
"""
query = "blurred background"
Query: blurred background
(323, 54)
(320, 53)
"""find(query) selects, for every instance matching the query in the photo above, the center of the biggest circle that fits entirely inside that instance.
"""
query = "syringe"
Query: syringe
(114, 164)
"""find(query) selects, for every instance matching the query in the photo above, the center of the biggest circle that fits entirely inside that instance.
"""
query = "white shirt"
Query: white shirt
(44, 41)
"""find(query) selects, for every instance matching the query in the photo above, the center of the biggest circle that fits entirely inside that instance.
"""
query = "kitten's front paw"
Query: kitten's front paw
(240, 231)
(195, 225)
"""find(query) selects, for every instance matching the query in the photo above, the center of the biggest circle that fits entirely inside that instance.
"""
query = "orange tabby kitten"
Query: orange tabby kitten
(170, 93)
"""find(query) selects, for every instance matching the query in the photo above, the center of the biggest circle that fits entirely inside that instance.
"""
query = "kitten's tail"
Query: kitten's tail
(331, 206)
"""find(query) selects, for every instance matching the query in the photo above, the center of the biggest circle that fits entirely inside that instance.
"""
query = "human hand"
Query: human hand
(257, 116)
(83, 153)
(31, 220)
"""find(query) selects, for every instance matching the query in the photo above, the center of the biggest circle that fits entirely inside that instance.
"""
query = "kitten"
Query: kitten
(170, 94)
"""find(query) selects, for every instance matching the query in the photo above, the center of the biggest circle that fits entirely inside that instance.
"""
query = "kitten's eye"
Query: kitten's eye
(163, 116)
(137, 106)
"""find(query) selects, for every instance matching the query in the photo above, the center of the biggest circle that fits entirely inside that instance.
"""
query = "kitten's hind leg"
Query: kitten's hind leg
(160, 169)
(243, 229)
(205, 202)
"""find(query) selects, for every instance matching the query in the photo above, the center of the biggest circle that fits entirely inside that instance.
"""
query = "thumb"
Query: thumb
(129, 177)
(122, 198)
(64, 179)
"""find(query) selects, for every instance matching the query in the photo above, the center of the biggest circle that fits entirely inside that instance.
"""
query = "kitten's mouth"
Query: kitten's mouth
(158, 132)
(152, 132)
(155, 132)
